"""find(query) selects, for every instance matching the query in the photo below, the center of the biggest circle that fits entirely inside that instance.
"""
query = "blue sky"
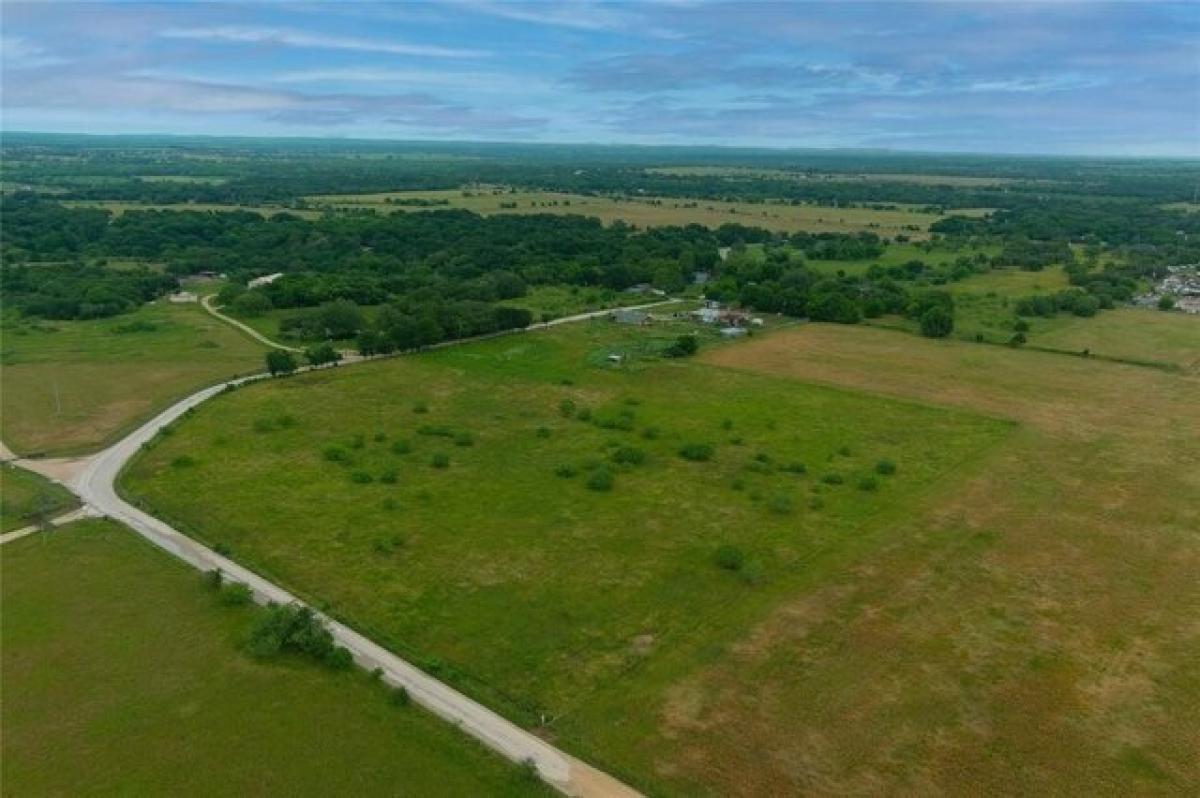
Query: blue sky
(1050, 77)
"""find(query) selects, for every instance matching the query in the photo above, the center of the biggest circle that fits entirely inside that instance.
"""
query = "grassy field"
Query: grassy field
(1133, 333)
(71, 386)
(652, 211)
(123, 676)
(26, 498)
(891, 177)
(1030, 631)
(507, 571)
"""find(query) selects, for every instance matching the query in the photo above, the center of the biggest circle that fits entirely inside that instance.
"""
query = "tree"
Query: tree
(280, 362)
(321, 354)
(937, 322)
(251, 303)
(684, 346)
(1166, 302)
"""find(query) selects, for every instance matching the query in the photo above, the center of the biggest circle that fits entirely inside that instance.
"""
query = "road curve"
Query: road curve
(246, 328)
(94, 480)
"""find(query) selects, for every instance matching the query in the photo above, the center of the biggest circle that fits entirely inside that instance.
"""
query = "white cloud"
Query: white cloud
(18, 53)
(296, 38)
(415, 77)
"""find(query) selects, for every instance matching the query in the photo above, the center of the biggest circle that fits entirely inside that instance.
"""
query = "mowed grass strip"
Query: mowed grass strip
(542, 528)
(1031, 631)
(123, 676)
(72, 386)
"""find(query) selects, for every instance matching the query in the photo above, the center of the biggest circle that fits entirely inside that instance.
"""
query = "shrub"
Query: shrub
(213, 579)
(183, 461)
(844, 451)
(285, 421)
(731, 558)
(1018, 339)
(832, 478)
(759, 467)
(379, 437)
(440, 460)
(600, 480)
(340, 659)
(868, 484)
(565, 471)
(696, 452)
(336, 454)
(542, 432)
(390, 476)
(361, 477)
(236, 594)
(1166, 302)
(401, 446)
(684, 346)
(885, 467)
(387, 545)
(780, 504)
(752, 572)
(464, 439)
(400, 697)
(795, 467)
(738, 484)
(280, 362)
(727, 424)
(322, 354)
(566, 408)
(1020, 325)
(584, 414)
(628, 455)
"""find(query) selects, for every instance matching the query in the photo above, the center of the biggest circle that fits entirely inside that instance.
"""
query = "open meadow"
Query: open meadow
(72, 386)
(1030, 630)
(123, 675)
(648, 211)
(566, 539)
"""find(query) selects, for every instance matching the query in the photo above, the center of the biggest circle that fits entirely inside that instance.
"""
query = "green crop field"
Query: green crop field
(26, 498)
(123, 676)
(546, 530)
(71, 386)
(648, 211)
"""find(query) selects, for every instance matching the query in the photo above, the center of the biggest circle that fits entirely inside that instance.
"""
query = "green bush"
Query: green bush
(628, 455)
(390, 476)
(780, 504)
(832, 478)
(795, 467)
(584, 414)
(868, 484)
(361, 477)
(183, 461)
(565, 471)
(436, 430)
(440, 460)
(400, 697)
(729, 557)
(236, 594)
(885, 467)
(464, 439)
(696, 452)
(401, 446)
(566, 408)
(601, 480)
(651, 433)
(293, 629)
(542, 432)
(336, 454)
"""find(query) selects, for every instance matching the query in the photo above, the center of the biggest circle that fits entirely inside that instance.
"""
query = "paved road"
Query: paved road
(93, 479)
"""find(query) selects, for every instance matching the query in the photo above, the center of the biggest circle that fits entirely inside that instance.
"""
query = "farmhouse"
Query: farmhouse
(266, 279)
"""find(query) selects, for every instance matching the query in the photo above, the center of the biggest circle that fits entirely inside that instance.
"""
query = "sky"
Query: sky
(1050, 77)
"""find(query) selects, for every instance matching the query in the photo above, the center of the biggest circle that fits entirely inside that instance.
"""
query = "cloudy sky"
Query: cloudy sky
(1052, 77)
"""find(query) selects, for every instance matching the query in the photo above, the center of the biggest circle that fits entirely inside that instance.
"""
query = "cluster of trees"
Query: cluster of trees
(1073, 300)
(78, 291)
(405, 326)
